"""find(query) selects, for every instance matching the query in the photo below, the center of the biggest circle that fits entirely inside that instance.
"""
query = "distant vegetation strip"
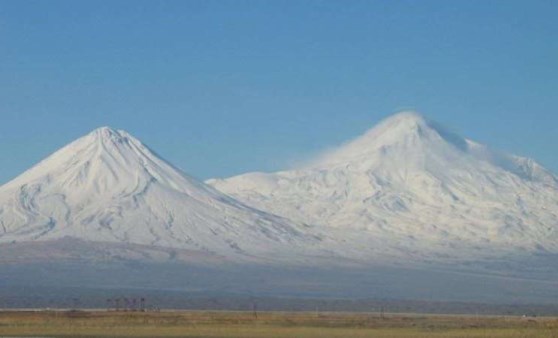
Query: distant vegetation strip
(266, 325)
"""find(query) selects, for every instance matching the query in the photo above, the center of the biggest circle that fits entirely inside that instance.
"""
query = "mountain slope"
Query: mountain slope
(410, 188)
(107, 186)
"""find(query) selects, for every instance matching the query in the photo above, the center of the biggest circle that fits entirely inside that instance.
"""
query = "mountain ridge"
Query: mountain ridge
(408, 189)
(411, 185)
(413, 213)
(108, 186)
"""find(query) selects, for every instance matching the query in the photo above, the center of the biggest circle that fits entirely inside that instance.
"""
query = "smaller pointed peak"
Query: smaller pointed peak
(105, 128)
(108, 135)
(105, 132)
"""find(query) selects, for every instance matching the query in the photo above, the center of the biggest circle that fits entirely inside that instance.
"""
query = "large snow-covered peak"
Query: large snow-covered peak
(404, 119)
(411, 182)
(397, 127)
(405, 138)
(409, 142)
(412, 126)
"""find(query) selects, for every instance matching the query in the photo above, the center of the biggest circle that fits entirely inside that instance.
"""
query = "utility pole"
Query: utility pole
(142, 304)
(255, 309)
(75, 304)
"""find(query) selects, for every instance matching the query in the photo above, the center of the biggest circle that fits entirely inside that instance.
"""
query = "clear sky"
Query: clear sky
(224, 87)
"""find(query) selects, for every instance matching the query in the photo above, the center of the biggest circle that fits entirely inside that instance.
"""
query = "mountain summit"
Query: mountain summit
(103, 161)
(109, 187)
(398, 135)
(408, 141)
(409, 186)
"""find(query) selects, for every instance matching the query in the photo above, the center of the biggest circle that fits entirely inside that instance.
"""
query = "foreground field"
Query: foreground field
(266, 325)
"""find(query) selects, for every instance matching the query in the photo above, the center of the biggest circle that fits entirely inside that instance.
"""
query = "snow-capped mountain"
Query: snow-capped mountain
(406, 211)
(407, 189)
(108, 187)
(410, 188)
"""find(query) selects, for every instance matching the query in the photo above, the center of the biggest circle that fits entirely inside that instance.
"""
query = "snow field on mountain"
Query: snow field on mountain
(107, 186)
(410, 188)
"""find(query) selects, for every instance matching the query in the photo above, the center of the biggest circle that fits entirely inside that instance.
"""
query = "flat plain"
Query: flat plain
(266, 325)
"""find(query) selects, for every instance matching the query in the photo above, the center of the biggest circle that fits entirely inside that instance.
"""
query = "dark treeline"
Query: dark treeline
(154, 300)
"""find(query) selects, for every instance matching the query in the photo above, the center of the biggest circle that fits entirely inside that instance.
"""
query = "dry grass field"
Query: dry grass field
(266, 325)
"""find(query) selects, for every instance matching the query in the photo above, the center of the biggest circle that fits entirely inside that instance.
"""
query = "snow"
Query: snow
(109, 187)
(409, 188)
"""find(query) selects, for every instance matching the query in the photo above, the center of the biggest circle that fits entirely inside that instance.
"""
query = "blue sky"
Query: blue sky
(224, 87)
